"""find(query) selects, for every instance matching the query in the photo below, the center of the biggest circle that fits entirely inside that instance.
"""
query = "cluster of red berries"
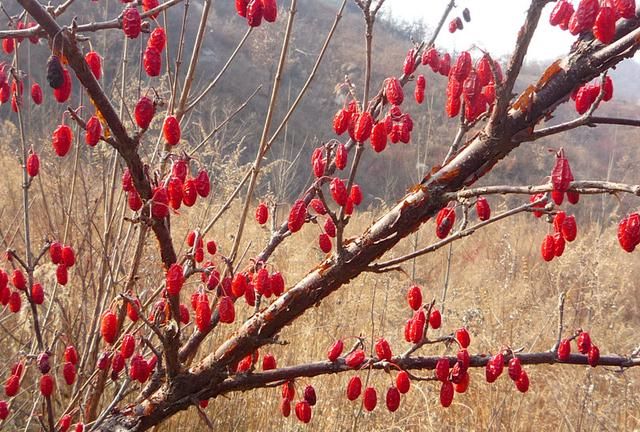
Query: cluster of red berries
(152, 57)
(64, 257)
(416, 326)
(565, 229)
(303, 408)
(598, 17)
(15, 91)
(9, 44)
(140, 369)
(456, 23)
(584, 345)
(255, 10)
(585, 95)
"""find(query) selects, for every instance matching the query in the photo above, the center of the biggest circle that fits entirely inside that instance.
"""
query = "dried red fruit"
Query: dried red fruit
(261, 282)
(203, 313)
(564, 350)
(444, 222)
(277, 283)
(12, 386)
(462, 67)
(416, 331)
(8, 45)
(144, 112)
(414, 297)
(604, 28)
(463, 338)
(548, 248)
(61, 140)
(338, 191)
(158, 39)
(226, 311)
(62, 274)
(522, 384)
(561, 175)
(174, 190)
(393, 91)
(303, 411)
(152, 61)
(562, 12)
(71, 354)
(625, 8)
(482, 209)
(392, 399)
(585, 97)
(515, 368)
(288, 390)
(270, 10)
(189, 192)
(268, 362)
(569, 228)
(203, 184)
(363, 127)
(608, 89)
(329, 227)
(446, 394)
(341, 156)
(584, 16)
(174, 279)
(94, 61)
(93, 131)
(46, 385)
(583, 341)
(4, 410)
(109, 327)
(37, 294)
(370, 398)
(379, 137)
(239, 284)
(383, 350)
(285, 405)
(409, 65)
(629, 232)
(171, 130)
(36, 93)
(432, 58)
(593, 356)
(435, 319)
(558, 244)
(442, 369)
(255, 11)
(324, 242)
(127, 346)
(297, 216)
(241, 7)
(131, 22)
(147, 5)
(341, 121)
(69, 373)
(18, 280)
(310, 395)
(403, 382)
(355, 359)
(335, 350)
(134, 200)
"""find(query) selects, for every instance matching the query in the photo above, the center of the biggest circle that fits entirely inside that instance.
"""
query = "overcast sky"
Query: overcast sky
(494, 25)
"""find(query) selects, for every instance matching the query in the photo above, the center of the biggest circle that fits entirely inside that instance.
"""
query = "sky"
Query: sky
(494, 25)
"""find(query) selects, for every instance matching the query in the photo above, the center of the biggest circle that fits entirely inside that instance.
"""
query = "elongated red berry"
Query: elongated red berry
(446, 394)
(131, 22)
(569, 228)
(262, 213)
(270, 10)
(593, 356)
(241, 7)
(18, 280)
(482, 209)
(584, 342)
(36, 93)
(69, 373)
(310, 395)
(383, 349)
(255, 12)
(46, 385)
(363, 127)
(203, 184)
(442, 369)
(414, 297)
(226, 310)
(355, 359)
(61, 140)
(171, 130)
(324, 242)
(403, 382)
(463, 338)
(93, 131)
(335, 350)
(174, 279)
(152, 61)
(37, 293)
(522, 384)
(268, 362)
(393, 91)
(144, 112)
(94, 61)
(203, 313)
(625, 8)
(33, 164)
(584, 16)
(297, 216)
(128, 345)
(158, 39)
(604, 28)
(370, 398)
(564, 350)
(515, 368)
(435, 319)
(12, 385)
(354, 388)
(379, 137)
(548, 248)
(62, 274)
(392, 399)
(189, 192)
(71, 354)
(303, 411)
(109, 327)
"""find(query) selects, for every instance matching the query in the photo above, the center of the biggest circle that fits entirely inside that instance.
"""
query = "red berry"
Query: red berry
(416, 332)
(61, 140)
(329, 227)
(379, 137)
(409, 65)
(341, 157)
(144, 112)
(558, 244)
(324, 242)
(569, 228)
(8, 45)
(383, 350)
(109, 327)
(393, 91)
(174, 190)
(203, 184)
(18, 280)
(444, 222)
(69, 373)
(131, 22)
(515, 368)
(363, 126)
(561, 12)
(482, 209)
(189, 192)
(435, 319)
(70, 354)
(36, 93)
(310, 395)
(297, 216)
(268, 362)
(354, 388)
(442, 369)
(93, 132)
(55, 252)
(564, 350)
(625, 8)
(152, 61)
(160, 203)
(262, 214)
(446, 394)
(463, 338)
(37, 293)
(584, 342)
(604, 28)
(12, 386)
(94, 61)
(134, 200)
(171, 130)
(335, 350)
(303, 409)
(15, 302)
(203, 314)
(46, 385)
(593, 356)
(608, 89)
(62, 274)
(63, 92)
(370, 398)
(403, 382)
(414, 297)
(270, 10)
(127, 346)
(158, 39)
(226, 310)
(548, 248)
(132, 310)
(254, 12)
(341, 121)
(285, 404)
(147, 5)
(355, 359)
(4, 410)
(393, 399)
(522, 384)
(174, 279)
(241, 8)
(584, 16)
